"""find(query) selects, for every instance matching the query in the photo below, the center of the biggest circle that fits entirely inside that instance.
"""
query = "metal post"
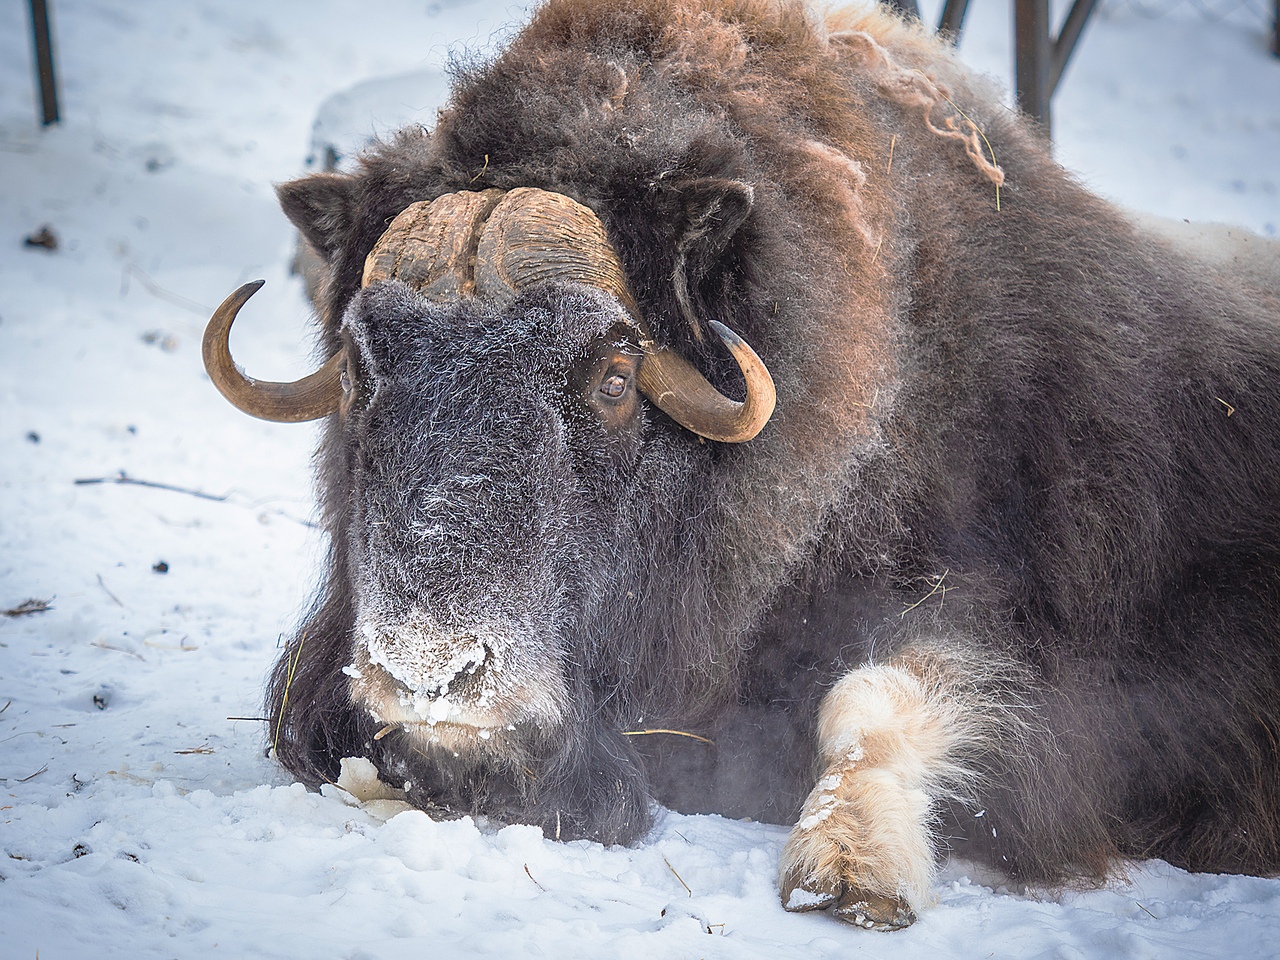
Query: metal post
(1039, 57)
(1033, 59)
(952, 19)
(1068, 36)
(44, 61)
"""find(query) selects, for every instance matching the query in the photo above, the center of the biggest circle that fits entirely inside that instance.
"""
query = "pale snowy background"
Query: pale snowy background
(136, 819)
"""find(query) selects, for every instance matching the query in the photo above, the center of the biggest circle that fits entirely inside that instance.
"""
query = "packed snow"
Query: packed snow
(139, 814)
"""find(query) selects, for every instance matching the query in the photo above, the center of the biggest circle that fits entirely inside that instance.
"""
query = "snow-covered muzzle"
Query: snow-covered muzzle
(474, 543)
(455, 688)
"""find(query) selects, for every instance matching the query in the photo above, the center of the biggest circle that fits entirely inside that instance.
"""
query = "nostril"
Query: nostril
(471, 672)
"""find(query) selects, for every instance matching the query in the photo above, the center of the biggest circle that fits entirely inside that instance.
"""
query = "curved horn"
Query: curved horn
(677, 388)
(310, 398)
(431, 245)
(534, 235)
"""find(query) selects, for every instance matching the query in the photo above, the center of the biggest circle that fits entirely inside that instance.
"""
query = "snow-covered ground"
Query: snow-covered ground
(138, 817)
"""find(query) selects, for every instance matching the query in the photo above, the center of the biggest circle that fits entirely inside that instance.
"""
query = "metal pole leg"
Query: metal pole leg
(1032, 58)
(44, 61)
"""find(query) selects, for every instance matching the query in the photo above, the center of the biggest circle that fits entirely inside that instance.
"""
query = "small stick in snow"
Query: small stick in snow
(124, 478)
(28, 607)
(107, 591)
(677, 876)
(541, 887)
(34, 775)
(106, 646)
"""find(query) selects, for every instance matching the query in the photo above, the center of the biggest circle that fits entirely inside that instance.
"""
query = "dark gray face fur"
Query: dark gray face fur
(490, 449)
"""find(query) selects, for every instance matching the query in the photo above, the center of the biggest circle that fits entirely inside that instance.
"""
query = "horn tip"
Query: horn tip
(730, 338)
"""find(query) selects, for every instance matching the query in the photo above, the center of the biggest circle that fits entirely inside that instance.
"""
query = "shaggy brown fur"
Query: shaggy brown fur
(1000, 442)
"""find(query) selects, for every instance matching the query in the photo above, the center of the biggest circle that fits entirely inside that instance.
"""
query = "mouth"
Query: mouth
(455, 721)
(391, 703)
(420, 712)
(453, 736)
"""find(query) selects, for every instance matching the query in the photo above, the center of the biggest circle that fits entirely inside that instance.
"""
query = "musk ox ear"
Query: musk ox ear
(709, 211)
(322, 207)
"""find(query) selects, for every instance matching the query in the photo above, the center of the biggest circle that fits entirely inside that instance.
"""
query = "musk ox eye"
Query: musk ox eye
(344, 377)
(614, 386)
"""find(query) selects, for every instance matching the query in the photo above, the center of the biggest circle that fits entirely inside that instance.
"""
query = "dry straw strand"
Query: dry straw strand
(674, 733)
(936, 587)
(676, 875)
(284, 701)
(990, 149)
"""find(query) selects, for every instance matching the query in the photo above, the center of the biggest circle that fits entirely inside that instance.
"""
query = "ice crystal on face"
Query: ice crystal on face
(489, 675)
(424, 659)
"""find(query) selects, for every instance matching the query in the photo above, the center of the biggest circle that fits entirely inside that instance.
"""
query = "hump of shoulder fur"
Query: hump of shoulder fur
(776, 23)
(913, 46)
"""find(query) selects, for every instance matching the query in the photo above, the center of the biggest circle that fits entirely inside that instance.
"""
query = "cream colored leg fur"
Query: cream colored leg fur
(889, 739)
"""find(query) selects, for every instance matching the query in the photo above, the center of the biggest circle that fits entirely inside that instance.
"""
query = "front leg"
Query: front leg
(889, 742)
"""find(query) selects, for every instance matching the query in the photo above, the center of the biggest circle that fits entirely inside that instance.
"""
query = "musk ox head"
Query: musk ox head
(488, 390)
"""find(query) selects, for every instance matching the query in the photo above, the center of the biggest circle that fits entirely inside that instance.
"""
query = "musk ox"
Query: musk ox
(716, 368)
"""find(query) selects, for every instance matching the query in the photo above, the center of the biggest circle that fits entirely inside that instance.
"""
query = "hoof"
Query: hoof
(874, 912)
(800, 894)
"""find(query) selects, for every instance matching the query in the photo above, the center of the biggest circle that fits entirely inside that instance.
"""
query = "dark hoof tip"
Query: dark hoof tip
(874, 912)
